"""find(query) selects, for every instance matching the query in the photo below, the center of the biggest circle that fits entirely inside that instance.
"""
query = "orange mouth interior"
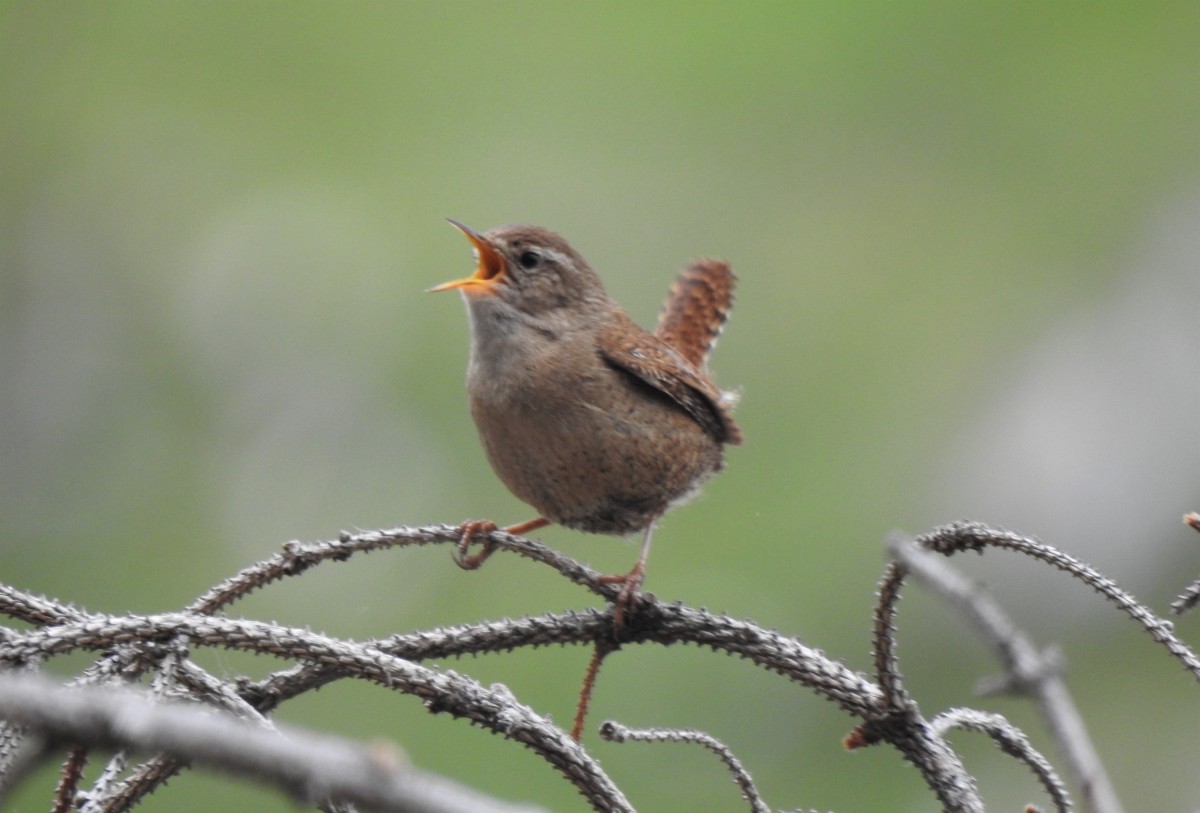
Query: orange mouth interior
(490, 265)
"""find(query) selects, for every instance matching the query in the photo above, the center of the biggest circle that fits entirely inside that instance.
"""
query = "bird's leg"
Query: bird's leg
(630, 582)
(603, 650)
(472, 528)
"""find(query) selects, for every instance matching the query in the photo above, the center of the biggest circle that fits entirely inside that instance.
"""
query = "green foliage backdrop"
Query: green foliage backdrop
(217, 220)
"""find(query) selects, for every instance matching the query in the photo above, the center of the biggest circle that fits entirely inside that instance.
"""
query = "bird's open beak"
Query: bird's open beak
(489, 270)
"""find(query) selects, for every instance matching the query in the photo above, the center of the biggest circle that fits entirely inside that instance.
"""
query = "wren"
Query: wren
(598, 424)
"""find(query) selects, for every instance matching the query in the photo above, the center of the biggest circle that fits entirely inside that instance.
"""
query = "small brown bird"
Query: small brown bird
(598, 424)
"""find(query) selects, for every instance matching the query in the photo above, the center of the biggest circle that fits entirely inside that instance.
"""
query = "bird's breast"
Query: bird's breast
(587, 445)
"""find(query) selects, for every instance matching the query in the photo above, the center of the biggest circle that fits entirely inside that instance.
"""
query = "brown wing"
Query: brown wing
(655, 362)
(696, 309)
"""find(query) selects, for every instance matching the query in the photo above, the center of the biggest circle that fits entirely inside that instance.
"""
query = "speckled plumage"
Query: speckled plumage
(697, 308)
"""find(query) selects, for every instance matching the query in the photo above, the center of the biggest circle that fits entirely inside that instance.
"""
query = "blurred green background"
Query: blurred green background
(967, 242)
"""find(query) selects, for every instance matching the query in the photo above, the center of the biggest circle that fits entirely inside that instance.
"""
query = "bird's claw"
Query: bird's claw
(631, 583)
(468, 532)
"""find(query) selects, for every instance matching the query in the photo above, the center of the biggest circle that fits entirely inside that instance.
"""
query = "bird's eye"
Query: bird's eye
(529, 259)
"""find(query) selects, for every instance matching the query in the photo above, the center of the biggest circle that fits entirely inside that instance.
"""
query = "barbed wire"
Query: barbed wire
(167, 724)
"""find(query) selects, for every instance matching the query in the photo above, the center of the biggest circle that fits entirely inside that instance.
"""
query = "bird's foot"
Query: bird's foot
(467, 533)
(473, 529)
(630, 583)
